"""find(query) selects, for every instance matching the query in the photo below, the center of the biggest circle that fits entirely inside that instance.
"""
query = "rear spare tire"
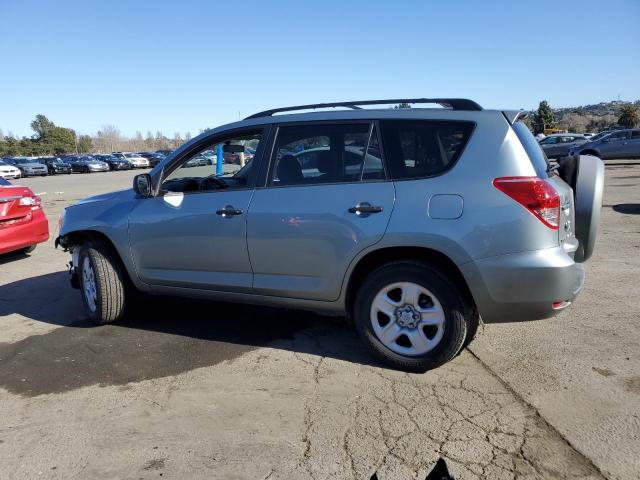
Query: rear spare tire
(588, 191)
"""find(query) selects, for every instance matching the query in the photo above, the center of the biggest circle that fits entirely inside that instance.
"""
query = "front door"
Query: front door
(193, 234)
(326, 199)
(614, 145)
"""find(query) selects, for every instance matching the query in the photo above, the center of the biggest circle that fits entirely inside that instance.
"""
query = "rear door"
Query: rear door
(634, 144)
(326, 198)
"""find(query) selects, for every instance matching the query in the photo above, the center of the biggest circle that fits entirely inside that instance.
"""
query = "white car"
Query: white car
(9, 171)
(136, 160)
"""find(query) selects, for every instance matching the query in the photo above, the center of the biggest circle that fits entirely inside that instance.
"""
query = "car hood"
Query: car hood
(104, 197)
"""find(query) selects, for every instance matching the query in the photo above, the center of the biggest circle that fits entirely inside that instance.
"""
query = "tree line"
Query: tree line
(578, 120)
(51, 139)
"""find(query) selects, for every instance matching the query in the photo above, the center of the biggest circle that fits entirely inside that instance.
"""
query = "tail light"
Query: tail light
(534, 194)
(33, 202)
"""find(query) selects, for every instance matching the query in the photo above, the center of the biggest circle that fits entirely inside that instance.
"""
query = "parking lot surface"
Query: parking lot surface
(185, 389)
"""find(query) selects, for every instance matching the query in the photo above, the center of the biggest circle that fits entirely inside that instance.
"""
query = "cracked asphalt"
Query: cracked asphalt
(185, 389)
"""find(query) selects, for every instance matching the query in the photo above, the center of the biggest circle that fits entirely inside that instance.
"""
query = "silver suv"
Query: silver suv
(414, 223)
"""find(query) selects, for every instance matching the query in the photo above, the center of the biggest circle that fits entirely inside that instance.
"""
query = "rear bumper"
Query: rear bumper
(23, 235)
(523, 286)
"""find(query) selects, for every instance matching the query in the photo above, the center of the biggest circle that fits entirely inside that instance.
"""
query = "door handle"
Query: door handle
(229, 211)
(364, 209)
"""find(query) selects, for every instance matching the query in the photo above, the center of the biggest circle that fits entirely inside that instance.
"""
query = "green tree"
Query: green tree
(629, 116)
(60, 140)
(543, 118)
(42, 125)
(84, 144)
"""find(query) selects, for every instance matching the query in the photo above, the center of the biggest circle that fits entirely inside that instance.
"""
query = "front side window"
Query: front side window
(420, 149)
(549, 141)
(326, 153)
(616, 136)
(197, 171)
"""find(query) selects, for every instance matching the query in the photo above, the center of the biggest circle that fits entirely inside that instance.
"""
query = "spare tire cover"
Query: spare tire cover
(588, 205)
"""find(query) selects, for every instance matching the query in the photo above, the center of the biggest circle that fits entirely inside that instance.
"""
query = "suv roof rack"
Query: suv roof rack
(453, 103)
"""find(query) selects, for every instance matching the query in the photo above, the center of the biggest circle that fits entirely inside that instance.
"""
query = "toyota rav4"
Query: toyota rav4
(415, 223)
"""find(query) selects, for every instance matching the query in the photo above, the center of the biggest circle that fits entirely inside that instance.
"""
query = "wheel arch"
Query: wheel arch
(381, 256)
(78, 237)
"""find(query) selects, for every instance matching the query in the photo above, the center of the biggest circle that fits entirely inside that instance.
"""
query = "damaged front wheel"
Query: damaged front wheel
(102, 284)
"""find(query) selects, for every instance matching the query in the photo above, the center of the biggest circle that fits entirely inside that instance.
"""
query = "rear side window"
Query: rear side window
(326, 153)
(420, 149)
(536, 154)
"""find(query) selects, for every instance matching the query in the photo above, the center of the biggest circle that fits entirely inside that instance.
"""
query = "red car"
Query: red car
(23, 223)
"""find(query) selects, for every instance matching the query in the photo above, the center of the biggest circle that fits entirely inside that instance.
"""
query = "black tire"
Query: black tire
(110, 284)
(442, 287)
(86, 170)
(29, 249)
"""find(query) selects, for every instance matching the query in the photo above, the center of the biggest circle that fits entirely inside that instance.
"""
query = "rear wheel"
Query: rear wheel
(411, 316)
(102, 283)
(29, 249)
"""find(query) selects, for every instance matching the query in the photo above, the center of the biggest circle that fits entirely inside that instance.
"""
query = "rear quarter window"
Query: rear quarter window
(534, 152)
(423, 148)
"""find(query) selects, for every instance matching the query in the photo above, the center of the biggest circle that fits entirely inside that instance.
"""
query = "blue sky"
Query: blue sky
(182, 66)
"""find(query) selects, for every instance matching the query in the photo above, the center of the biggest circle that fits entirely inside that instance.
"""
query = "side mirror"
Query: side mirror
(142, 184)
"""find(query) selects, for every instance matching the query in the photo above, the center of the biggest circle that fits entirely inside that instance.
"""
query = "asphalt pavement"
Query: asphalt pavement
(185, 389)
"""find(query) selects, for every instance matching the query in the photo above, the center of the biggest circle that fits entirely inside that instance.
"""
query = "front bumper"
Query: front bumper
(523, 286)
(34, 173)
(12, 175)
(22, 235)
(98, 169)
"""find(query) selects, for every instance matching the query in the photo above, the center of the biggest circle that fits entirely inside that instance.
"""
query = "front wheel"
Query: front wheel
(102, 283)
(411, 316)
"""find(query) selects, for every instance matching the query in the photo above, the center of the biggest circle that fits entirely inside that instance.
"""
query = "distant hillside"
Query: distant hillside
(589, 118)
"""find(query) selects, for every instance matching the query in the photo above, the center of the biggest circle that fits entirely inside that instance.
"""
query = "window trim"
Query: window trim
(215, 138)
(268, 177)
(429, 120)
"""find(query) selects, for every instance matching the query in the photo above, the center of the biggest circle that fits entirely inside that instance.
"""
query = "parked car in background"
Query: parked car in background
(134, 159)
(413, 222)
(29, 167)
(164, 152)
(197, 161)
(9, 171)
(23, 223)
(114, 162)
(153, 157)
(88, 164)
(56, 166)
(559, 144)
(616, 144)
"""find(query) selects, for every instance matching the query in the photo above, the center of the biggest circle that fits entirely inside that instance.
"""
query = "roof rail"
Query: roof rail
(453, 103)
